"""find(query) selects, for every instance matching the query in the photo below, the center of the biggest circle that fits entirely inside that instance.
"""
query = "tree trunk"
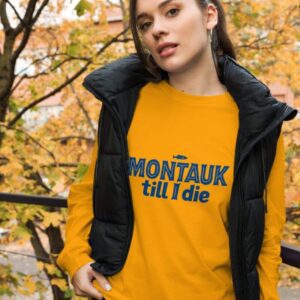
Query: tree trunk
(56, 245)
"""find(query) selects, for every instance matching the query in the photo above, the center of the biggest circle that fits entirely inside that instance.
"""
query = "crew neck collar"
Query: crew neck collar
(187, 98)
(167, 85)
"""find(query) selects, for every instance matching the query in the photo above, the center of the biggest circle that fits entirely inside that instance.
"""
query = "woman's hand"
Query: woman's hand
(82, 282)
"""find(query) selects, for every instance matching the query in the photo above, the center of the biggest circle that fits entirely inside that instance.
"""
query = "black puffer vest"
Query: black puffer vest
(117, 86)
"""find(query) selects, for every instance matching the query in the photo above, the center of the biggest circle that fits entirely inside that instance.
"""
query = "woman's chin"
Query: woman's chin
(169, 64)
(172, 67)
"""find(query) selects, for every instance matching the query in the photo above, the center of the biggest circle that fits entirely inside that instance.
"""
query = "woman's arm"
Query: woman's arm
(269, 258)
(76, 251)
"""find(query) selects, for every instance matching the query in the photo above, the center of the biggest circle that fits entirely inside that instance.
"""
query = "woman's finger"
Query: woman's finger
(83, 284)
(102, 280)
(79, 292)
(90, 291)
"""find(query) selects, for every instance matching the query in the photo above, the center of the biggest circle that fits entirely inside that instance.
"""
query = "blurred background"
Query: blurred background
(48, 121)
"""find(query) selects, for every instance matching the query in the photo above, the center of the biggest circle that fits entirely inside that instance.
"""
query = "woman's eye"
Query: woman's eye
(143, 27)
(173, 9)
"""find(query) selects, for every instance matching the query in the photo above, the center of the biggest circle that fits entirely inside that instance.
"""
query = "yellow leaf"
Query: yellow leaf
(6, 170)
(61, 283)
(51, 269)
(53, 218)
(40, 265)
(30, 284)
(28, 287)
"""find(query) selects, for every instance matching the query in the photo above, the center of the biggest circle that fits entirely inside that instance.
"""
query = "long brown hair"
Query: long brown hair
(221, 43)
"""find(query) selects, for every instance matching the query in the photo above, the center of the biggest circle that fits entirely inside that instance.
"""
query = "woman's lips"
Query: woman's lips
(168, 51)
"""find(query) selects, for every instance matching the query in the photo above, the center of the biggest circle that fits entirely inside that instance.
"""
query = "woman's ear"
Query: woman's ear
(212, 16)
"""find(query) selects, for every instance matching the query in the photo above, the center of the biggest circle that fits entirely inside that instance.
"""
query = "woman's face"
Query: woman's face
(176, 21)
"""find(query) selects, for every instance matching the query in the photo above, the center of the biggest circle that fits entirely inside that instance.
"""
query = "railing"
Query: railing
(290, 254)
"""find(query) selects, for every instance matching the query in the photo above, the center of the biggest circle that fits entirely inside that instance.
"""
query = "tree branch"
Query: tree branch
(66, 138)
(63, 85)
(3, 16)
(16, 12)
(39, 144)
(43, 5)
(27, 23)
(86, 114)
(63, 165)
(36, 61)
(52, 93)
(27, 16)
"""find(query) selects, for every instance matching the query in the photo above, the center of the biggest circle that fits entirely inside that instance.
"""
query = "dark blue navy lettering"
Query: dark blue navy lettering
(219, 175)
(155, 163)
(203, 172)
(172, 178)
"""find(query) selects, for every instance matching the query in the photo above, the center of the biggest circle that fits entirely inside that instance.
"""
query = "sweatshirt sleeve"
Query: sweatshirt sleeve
(76, 250)
(269, 258)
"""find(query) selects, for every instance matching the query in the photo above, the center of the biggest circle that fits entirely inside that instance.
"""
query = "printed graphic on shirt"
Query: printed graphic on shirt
(177, 178)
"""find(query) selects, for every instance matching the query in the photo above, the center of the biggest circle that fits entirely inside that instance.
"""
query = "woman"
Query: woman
(200, 138)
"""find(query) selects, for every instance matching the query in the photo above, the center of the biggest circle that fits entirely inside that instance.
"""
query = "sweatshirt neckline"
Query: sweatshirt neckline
(187, 98)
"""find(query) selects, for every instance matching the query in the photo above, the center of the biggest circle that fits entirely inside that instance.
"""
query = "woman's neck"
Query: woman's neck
(199, 79)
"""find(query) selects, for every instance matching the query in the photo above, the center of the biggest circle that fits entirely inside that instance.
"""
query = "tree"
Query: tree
(41, 161)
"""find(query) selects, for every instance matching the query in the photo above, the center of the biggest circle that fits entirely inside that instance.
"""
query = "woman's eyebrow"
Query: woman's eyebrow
(160, 6)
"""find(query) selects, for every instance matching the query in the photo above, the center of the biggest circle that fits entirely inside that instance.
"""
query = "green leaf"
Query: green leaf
(82, 6)
(13, 106)
(68, 293)
(56, 63)
(73, 49)
(19, 136)
(81, 170)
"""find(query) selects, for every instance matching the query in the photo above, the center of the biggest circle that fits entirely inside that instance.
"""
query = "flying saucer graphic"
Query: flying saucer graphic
(178, 156)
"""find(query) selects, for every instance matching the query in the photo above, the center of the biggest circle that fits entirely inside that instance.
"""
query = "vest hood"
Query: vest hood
(257, 107)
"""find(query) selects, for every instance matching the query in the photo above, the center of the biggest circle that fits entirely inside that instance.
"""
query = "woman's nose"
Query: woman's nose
(159, 28)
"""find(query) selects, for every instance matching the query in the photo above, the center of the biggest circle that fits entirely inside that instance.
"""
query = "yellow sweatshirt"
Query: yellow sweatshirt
(181, 150)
